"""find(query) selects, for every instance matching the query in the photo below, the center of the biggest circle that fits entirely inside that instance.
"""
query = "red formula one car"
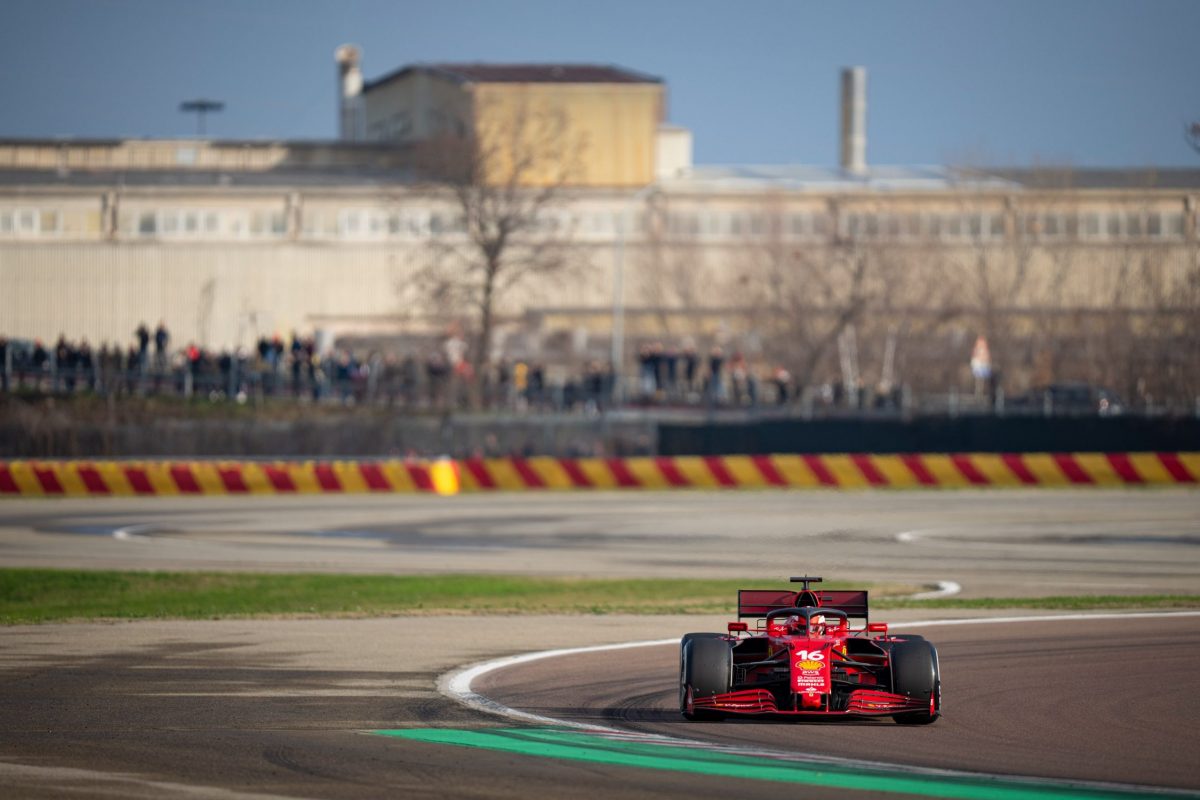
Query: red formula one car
(802, 657)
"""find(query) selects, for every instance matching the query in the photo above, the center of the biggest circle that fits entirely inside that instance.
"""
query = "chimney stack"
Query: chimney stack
(854, 120)
(349, 93)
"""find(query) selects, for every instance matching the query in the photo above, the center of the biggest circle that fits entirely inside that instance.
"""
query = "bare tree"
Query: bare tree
(505, 180)
(806, 297)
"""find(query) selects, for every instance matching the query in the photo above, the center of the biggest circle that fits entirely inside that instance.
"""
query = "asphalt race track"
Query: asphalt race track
(1072, 700)
(286, 708)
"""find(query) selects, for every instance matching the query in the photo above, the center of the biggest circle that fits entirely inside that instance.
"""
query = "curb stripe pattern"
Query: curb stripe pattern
(543, 473)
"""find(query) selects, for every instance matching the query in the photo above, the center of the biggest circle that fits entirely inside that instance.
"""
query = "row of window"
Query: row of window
(372, 225)
(30, 222)
(963, 227)
(190, 223)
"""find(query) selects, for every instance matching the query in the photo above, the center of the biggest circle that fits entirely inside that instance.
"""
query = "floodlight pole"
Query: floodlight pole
(200, 107)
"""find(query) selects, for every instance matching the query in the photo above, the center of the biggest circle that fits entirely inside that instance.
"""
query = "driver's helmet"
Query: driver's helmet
(794, 624)
(816, 625)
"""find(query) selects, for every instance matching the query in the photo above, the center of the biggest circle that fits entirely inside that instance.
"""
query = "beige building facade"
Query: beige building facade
(230, 241)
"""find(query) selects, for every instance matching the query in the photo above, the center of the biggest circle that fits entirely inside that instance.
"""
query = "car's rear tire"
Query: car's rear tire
(916, 674)
(706, 669)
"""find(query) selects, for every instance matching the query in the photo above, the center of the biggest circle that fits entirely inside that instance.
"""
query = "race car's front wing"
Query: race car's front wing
(861, 702)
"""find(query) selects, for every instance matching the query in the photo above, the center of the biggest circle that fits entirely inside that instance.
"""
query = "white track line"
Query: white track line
(457, 686)
(944, 589)
(129, 533)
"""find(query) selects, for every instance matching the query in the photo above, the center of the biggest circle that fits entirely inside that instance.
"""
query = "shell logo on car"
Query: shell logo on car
(808, 666)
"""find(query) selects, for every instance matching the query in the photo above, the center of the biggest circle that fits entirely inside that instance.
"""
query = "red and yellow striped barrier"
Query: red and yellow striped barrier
(925, 470)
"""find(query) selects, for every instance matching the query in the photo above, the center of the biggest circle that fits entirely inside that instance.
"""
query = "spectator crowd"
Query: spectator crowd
(439, 378)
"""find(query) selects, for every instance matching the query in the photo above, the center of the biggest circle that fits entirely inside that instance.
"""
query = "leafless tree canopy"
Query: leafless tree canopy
(505, 179)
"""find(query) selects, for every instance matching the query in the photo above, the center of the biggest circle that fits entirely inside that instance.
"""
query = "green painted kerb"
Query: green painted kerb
(577, 746)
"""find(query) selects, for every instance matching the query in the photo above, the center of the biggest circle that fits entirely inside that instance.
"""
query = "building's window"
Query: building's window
(26, 221)
(147, 223)
(758, 225)
(1090, 228)
(735, 224)
(870, 226)
(278, 223)
(799, 224)
(211, 222)
(853, 225)
(1031, 226)
(912, 226)
(1133, 226)
(6, 222)
(1052, 225)
(996, 226)
(168, 222)
(350, 223)
(51, 222)
(820, 224)
(1154, 225)
(934, 223)
(1112, 226)
(953, 227)
(975, 224)
(1173, 225)
(191, 223)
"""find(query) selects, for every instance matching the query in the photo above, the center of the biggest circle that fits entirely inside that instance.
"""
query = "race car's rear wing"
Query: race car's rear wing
(760, 602)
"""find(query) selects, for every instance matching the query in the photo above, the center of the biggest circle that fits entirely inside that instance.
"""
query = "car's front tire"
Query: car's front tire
(705, 669)
(916, 674)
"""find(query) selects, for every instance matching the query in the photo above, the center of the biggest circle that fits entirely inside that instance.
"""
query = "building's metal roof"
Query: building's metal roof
(702, 179)
(806, 178)
(521, 73)
(1098, 178)
(190, 179)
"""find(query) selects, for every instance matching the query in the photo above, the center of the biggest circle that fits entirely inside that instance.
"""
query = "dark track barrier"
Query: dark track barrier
(977, 434)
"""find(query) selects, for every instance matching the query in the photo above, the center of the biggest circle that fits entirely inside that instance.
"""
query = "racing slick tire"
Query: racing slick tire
(706, 668)
(915, 673)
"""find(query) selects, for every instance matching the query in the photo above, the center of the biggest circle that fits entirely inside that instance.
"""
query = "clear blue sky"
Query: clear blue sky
(1008, 82)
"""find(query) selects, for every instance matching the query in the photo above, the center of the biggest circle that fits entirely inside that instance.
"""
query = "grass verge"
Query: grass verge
(49, 595)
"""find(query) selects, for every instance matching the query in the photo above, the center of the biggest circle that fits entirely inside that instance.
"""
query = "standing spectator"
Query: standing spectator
(670, 369)
(225, 366)
(537, 384)
(142, 334)
(690, 361)
(646, 370)
(716, 388)
(409, 378)
(161, 339)
(739, 376)
(783, 381)
(132, 360)
(62, 364)
(86, 365)
(297, 353)
(41, 360)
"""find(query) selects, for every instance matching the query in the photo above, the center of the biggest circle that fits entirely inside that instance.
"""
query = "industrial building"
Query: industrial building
(226, 241)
